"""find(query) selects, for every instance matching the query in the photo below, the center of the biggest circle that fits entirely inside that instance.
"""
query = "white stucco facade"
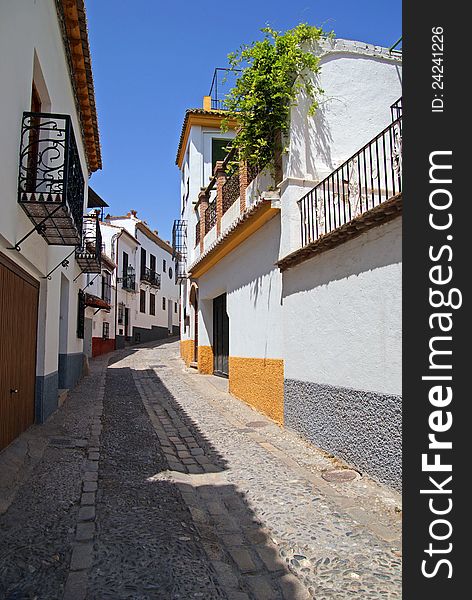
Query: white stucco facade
(131, 235)
(254, 296)
(314, 342)
(33, 53)
(342, 315)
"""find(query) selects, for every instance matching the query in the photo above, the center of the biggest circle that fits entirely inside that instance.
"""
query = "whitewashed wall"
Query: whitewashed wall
(342, 314)
(32, 47)
(360, 83)
(254, 288)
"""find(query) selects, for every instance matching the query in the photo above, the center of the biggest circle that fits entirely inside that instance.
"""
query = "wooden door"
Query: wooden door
(18, 325)
(220, 336)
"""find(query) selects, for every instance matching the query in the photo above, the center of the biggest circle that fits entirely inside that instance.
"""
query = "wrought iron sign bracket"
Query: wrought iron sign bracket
(64, 263)
(39, 228)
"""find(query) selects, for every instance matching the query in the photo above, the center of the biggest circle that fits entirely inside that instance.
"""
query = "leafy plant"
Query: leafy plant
(270, 73)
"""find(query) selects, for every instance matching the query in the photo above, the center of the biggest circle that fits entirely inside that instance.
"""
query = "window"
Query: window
(152, 262)
(121, 312)
(152, 304)
(170, 272)
(218, 151)
(175, 307)
(143, 262)
(125, 264)
(142, 301)
(164, 265)
(106, 287)
(163, 303)
(106, 330)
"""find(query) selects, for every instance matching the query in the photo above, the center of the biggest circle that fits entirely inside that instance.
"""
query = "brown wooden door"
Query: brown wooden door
(18, 324)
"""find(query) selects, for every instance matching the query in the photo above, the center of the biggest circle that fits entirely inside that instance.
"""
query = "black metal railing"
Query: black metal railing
(396, 110)
(368, 178)
(197, 233)
(89, 254)
(179, 245)
(252, 172)
(223, 80)
(230, 191)
(50, 178)
(210, 216)
(129, 280)
(150, 276)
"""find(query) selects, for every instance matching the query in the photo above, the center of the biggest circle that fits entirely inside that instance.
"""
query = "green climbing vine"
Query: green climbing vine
(270, 73)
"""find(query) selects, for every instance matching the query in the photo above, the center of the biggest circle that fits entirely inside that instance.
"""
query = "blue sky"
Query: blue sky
(153, 59)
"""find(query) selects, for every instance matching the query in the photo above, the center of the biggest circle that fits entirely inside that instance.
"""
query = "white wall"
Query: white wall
(254, 288)
(31, 46)
(360, 83)
(342, 314)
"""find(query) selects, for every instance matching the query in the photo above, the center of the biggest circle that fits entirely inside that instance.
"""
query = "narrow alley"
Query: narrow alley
(153, 482)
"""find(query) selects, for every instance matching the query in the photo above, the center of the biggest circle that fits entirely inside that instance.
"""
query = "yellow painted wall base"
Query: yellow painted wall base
(187, 349)
(260, 383)
(205, 360)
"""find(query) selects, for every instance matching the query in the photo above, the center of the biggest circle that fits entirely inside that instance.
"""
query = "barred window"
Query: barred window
(106, 331)
(142, 301)
(152, 304)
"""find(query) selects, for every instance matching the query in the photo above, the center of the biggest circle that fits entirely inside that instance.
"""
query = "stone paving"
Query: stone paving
(153, 483)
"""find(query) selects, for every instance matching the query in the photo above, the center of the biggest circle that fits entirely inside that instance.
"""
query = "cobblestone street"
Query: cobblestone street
(152, 482)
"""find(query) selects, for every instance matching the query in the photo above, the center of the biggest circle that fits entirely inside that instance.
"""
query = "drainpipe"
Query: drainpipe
(116, 237)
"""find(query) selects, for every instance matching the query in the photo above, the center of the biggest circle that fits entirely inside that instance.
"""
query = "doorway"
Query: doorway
(18, 327)
(220, 336)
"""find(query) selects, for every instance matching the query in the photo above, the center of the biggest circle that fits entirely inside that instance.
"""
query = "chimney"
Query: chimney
(134, 212)
(206, 102)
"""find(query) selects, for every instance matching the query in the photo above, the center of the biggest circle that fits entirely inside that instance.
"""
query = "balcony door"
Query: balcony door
(220, 336)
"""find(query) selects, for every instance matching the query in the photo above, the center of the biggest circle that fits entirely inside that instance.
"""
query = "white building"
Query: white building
(49, 146)
(295, 294)
(146, 299)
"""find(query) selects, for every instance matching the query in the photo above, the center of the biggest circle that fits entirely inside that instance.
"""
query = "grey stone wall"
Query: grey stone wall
(70, 369)
(46, 396)
(362, 428)
(149, 335)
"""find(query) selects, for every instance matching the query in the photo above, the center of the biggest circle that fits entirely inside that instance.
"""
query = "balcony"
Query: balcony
(50, 180)
(89, 254)
(179, 244)
(364, 182)
(210, 216)
(128, 281)
(222, 82)
(151, 277)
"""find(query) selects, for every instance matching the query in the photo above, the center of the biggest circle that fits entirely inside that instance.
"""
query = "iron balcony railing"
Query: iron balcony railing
(197, 233)
(210, 216)
(230, 191)
(151, 277)
(50, 178)
(222, 82)
(89, 254)
(129, 280)
(179, 245)
(368, 178)
(396, 110)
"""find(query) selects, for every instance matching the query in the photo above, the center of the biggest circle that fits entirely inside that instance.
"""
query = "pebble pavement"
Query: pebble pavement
(154, 483)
